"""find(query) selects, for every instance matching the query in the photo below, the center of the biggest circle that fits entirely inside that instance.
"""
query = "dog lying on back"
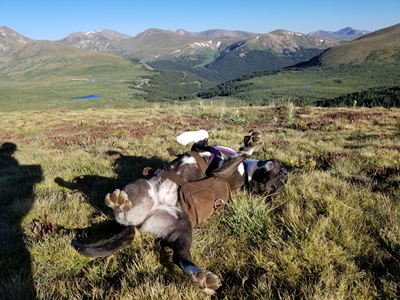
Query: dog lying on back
(152, 204)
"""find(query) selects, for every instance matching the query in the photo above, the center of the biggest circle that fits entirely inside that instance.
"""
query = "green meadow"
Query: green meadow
(332, 234)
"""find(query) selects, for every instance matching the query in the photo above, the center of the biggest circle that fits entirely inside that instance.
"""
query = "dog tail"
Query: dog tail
(107, 247)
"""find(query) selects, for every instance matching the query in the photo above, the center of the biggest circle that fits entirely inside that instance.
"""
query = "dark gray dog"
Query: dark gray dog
(152, 204)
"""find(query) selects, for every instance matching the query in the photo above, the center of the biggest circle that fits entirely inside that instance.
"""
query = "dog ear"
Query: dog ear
(269, 165)
(148, 171)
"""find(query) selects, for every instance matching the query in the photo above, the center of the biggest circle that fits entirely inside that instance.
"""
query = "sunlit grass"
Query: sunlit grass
(332, 234)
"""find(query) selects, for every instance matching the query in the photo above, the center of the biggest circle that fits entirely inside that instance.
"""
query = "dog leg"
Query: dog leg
(205, 280)
(172, 225)
(250, 142)
(230, 164)
(133, 204)
(118, 201)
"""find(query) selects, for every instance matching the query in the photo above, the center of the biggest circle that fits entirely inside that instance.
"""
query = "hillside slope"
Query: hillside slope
(41, 59)
(275, 50)
(155, 44)
(379, 45)
(45, 74)
(10, 42)
(367, 67)
(99, 40)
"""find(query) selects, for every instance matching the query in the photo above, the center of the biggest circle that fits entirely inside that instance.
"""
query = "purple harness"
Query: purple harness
(215, 149)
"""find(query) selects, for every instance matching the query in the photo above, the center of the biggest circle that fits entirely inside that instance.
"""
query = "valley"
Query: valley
(231, 66)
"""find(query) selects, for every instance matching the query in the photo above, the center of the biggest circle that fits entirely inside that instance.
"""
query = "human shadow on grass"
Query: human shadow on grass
(96, 187)
(17, 197)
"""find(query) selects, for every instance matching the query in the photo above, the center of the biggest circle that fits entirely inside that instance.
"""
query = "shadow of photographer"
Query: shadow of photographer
(17, 197)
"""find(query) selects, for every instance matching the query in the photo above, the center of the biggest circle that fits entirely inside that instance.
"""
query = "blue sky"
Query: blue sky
(55, 19)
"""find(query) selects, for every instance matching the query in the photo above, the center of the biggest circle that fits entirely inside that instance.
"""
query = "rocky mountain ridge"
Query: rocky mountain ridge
(11, 41)
(342, 35)
(217, 55)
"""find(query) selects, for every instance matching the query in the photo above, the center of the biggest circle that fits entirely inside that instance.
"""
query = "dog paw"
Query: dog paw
(118, 201)
(251, 140)
(206, 281)
(191, 137)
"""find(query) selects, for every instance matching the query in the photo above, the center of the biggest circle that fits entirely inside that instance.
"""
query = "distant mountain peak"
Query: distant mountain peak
(106, 33)
(350, 31)
(286, 32)
(9, 34)
(319, 32)
(11, 42)
(347, 33)
(92, 32)
(218, 33)
(98, 40)
(182, 32)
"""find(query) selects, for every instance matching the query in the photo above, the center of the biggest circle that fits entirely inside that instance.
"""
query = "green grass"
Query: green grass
(308, 86)
(44, 75)
(17, 96)
(332, 234)
(124, 84)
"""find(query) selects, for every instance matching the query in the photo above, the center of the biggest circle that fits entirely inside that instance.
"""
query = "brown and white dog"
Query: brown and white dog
(152, 204)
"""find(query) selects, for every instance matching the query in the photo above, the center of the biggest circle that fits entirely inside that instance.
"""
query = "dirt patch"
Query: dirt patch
(383, 173)
(263, 127)
(325, 161)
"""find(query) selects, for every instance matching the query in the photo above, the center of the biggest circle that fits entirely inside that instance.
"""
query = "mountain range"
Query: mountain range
(342, 35)
(113, 41)
(23, 59)
(216, 55)
(364, 71)
(37, 73)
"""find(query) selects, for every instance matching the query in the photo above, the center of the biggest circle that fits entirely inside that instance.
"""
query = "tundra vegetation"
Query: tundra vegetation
(332, 234)
(126, 85)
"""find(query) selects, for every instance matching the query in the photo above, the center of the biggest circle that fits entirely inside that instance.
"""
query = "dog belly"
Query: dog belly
(146, 197)
(167, 193)
(163, 221)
